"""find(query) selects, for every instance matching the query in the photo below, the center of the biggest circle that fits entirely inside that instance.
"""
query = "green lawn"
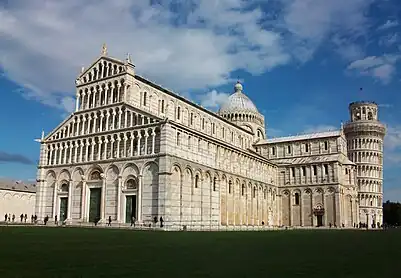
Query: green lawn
(79, 252)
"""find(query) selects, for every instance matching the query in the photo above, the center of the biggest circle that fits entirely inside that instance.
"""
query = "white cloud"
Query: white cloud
(213, 99)
(389, 24)
(314, 21)
(379, 67)
(389, 39)
(183, 45)
(320, 128)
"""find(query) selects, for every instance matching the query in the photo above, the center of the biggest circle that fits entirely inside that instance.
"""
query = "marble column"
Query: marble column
(55, 199)
(103, 199)
(119, 199)
(69, 200)
(139, 198)
(83, 201)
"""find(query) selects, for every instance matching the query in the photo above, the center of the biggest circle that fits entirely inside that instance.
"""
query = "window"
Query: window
(273, 150)
(214, 183)
(314, 170)
(243, 190)
(289, 149)
(296, 199)
(223, 132)
(144, 98)
(203, 123)
(178, 138)
(346, 171)
(229, 187)
(326, 145)
(213, 128)
(254, 192)
(326, 169)
(191, 119)
(196, 181)
(293, 172)
(162, 106)
(178, 113)
(189, 142)
(303, 171)
(306, 147)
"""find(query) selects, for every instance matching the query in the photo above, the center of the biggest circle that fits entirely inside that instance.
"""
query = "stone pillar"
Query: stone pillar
(70, 185)
(55, 199)
(139, 143)
(119, 118)
(101, 121)
(103, 199)
(77, 102)
(153, 141)
(113, 121)
(119, 199)
(118, 145)
(146, 142)
(132, 143)
(140, 198)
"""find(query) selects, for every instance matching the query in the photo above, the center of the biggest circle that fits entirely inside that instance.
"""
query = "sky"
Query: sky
(300, 61)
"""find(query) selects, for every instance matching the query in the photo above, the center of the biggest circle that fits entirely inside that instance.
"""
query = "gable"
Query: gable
(134, 118)
(103, 67)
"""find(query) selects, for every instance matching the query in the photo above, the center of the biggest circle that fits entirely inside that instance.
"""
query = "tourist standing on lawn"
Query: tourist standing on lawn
(109, 224)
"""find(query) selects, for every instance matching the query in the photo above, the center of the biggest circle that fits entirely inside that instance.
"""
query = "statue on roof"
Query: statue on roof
(128, 58)
(104, 50)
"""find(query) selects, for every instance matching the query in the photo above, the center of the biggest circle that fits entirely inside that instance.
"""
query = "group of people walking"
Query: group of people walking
(23, 218)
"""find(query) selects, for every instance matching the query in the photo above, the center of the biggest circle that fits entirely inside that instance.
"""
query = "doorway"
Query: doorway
(130, 208)
(319, 220)
(63, 209)
(94, 204)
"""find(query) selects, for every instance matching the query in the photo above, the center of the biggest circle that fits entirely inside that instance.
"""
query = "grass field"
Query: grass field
(78, 252)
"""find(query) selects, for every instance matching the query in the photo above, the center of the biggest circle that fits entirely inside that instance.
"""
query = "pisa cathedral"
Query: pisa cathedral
(135, 149)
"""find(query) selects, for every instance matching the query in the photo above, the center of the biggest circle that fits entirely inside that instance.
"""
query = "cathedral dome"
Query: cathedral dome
(238, 102)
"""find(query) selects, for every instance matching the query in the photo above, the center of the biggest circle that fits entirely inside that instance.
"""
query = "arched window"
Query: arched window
(370, 116)
(95, 175)
(64, 187)
(326, 145)
(131, 184)
(214, 183)
(178, 138)
(162, 106)
(243, 190)
(196, 181)
(296, 199)
(145, 95)
(254, 192)
(178, 113)
(229, 187)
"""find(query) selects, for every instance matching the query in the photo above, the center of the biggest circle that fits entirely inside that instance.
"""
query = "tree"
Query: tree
(392, 213)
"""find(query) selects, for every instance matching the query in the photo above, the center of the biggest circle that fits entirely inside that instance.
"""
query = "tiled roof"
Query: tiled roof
(313, 159)
(16, 185)
(301, 137)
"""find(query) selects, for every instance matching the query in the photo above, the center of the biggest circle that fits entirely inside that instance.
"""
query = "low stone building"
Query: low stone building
(16, 198)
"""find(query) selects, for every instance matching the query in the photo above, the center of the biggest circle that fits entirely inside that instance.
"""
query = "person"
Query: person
(13, 217)
(5, 217)
(109, 224)
(25, 217)
(133, 221)
(155, 220)
(46, 219)
(55, 220)
(161, 222)
(21, 216)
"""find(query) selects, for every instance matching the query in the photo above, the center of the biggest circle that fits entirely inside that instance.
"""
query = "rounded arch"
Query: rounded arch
(130, 169)
(92, 168)
(112, 172)
(150, 173)
(64, 175)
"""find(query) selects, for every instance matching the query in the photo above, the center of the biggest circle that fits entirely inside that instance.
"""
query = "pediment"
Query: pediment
(103, 67)
(62, 129)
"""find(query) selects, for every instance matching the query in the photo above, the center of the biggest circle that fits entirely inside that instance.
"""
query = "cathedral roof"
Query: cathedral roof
(238, 102)
(309, 136)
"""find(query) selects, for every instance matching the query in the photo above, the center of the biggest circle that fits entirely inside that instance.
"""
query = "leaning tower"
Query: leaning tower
(365, 136)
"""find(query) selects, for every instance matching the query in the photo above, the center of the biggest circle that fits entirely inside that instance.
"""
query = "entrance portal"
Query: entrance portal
(318, 211)
(63, 209)
(130, 208)
(94, 204)
(319, 220)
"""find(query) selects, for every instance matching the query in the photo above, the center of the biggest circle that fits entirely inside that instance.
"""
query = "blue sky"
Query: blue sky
(301, 61)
